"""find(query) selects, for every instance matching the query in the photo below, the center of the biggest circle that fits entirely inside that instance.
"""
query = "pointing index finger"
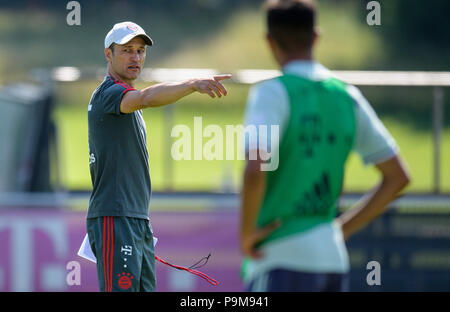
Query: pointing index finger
(222, 77)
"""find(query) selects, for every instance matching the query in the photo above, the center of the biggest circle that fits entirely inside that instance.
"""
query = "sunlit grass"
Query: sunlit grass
(415, 145)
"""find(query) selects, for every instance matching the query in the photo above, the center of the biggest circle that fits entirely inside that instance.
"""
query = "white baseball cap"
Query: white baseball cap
(123, 32)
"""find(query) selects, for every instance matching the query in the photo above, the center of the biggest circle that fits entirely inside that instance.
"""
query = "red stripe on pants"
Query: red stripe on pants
(107, 254)
(104, 250)
(112, 254)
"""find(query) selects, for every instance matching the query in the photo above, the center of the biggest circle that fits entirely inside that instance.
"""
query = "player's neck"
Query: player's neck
(300, 56)
(116, 76)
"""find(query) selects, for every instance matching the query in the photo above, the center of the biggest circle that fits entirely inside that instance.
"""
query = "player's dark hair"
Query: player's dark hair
(112, 47)
(291, 23)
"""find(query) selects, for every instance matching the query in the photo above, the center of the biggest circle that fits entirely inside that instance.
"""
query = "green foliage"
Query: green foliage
(414, 34)
(222, 34)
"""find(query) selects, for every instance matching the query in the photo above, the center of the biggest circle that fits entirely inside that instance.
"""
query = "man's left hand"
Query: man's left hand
(251, 239)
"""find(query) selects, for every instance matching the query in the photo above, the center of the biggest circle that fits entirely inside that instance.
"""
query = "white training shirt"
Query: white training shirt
(321, 249)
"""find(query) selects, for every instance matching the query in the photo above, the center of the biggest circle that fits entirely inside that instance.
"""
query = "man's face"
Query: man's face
(127, 59)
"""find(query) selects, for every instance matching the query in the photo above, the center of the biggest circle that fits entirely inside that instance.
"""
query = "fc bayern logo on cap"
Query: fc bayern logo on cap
(132, 27)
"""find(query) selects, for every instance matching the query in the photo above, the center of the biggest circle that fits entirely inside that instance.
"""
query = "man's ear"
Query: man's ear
(272, 43)
(269, 39)
(274, 47)
(108, 55)
(316, 35)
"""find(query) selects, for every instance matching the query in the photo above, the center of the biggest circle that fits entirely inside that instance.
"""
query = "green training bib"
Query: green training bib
(304, 190)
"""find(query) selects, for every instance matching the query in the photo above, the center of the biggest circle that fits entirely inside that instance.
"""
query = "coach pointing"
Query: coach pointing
(117, 220)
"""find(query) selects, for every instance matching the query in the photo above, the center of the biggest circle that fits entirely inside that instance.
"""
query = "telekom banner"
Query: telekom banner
(39, 250)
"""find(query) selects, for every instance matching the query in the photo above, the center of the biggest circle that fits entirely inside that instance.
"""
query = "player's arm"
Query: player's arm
(167, 93)
(376, 146)
(253, 190)
(394, 179)
(266, 105)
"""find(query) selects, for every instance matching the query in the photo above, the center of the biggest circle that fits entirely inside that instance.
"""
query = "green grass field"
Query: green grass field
(215, 175)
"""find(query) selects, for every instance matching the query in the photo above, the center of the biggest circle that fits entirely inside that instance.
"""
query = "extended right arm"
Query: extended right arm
(167, 93)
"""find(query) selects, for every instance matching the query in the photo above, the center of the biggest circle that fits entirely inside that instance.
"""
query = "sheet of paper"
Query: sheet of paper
(85, 250)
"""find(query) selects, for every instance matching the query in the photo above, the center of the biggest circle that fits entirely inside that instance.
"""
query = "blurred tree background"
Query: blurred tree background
(229, 35)
(413, 34)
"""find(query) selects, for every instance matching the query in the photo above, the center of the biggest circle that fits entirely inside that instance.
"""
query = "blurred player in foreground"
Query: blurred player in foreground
(118, 223)
(290, 236)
